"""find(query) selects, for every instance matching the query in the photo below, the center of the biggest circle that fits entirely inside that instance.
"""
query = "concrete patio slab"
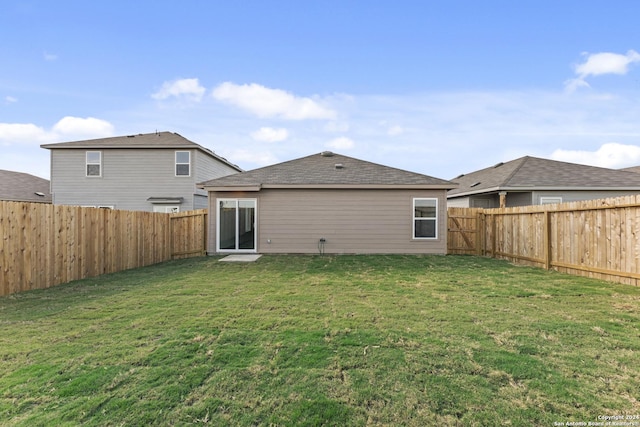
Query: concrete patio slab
(241, 258)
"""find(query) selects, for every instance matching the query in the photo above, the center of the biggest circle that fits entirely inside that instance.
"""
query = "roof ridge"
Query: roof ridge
(522, 161)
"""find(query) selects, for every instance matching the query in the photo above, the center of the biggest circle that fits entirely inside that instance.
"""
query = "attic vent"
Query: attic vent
(475, 184)
(497, 165)
(339, 166)
(39, 193)
(131, 136)
(326, 154)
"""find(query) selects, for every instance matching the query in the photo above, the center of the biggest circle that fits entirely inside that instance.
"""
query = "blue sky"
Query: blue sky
(436, 87)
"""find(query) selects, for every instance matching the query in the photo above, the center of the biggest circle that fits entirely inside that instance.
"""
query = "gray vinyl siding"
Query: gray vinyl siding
(458, 202)
(576, 196)
(207, 168)
(351, 221)
(129, 178)
(517, 199)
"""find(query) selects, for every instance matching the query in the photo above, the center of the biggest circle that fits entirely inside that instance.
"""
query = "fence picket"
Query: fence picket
(595, 238)
(43, 245)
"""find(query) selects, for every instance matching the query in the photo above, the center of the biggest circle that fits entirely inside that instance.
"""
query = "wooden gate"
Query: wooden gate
(189, 234)
(462, 231)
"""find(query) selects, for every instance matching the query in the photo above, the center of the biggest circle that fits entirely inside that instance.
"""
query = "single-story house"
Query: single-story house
(23, 187)
(535, 181)
(327, 203)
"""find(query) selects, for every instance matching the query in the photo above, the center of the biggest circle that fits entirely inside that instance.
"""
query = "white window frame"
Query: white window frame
(413, 222)
(93, 163)
(255, 225)
(182, 163)
(166, 208)
(550, 200)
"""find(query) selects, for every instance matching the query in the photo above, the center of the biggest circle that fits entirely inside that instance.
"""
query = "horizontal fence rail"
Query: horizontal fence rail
(594, 238)
(43, 245)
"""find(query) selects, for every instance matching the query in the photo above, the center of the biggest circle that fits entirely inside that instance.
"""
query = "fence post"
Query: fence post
(493, 236)
(547, 240)
(479, 232)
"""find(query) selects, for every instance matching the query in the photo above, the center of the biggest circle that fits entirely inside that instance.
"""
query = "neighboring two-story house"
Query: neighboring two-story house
(148, 172)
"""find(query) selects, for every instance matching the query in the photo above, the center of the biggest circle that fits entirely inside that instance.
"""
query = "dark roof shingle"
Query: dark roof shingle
(327, 169)
(169, 140)
(23, 187)
(529, 173)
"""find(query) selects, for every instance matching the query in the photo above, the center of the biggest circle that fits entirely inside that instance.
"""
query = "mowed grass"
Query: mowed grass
(310, 340)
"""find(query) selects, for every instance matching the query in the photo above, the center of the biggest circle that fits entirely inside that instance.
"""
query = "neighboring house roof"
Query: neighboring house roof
(326, 170)
(533, 173)
(635, 169)
(22, 187)
(148, 140)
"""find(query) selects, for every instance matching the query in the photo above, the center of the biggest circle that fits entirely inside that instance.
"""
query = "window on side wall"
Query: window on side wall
(183, 163)
(425, 218)
(94, 163)
(166, 208)
(546, 200)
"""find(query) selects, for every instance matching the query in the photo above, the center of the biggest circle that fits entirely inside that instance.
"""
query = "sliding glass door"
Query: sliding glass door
(237, 225)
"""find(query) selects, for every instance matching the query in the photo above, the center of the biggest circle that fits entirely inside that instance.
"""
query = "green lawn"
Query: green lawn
(310, 340)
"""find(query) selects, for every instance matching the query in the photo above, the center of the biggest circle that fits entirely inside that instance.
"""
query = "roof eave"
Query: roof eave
(230, 188)
(545, 188)
(258, 187)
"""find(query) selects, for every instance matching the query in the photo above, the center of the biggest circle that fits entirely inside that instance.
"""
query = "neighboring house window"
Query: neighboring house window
(106, 207)
(166, 208)
(183, 163)
(425, 218)
(94, 163)
(550, 200)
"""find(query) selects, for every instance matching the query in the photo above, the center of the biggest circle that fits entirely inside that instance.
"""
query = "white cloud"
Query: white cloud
(609, 155)
(342, 143)
(597, 64)
(268, 134)
(66, 129)
(265, 102)
(49, 56)
(83, 128)
(11, 133)
(10, 99)
(189, 89)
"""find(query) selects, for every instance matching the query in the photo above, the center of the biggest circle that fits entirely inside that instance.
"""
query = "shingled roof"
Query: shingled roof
(533, 173)
(168, 140)
(327, 169)
(22, 187)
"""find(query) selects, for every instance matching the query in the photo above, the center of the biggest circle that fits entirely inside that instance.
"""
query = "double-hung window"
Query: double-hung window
(183, 163)
(94, 163)
(425, 218)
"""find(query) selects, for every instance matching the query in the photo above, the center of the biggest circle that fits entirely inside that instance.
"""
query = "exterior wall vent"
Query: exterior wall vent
(339, 166)
(326, 154)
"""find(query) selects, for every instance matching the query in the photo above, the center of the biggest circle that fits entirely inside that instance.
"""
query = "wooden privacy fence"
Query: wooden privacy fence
(595, 238)
(43, 245)
(188, 234)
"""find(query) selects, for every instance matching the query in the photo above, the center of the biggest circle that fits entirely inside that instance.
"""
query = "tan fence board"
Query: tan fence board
(43, 245)
(595, 238)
